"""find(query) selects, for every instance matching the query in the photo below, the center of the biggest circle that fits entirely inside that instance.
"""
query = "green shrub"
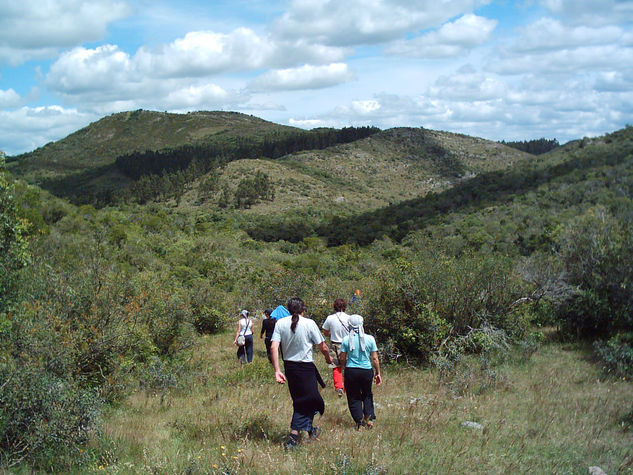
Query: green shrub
(43, 417)
(14, 253)
(597, 252)
(209, 320)
(616, 355)
(470, 363)
(421, 302)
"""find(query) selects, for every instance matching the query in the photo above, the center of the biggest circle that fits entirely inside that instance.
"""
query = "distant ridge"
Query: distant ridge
(383, 167)
(101, 142)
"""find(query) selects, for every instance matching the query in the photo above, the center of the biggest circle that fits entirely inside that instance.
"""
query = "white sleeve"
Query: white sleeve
(315, 334)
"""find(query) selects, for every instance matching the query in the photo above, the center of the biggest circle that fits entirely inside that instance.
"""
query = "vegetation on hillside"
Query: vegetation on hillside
(105, 308)
(535, 147)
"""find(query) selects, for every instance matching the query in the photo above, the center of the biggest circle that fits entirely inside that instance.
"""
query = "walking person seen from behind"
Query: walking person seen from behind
(268, 326)
(244, 338)
(358, 354)
(336, 326)
(296, 336)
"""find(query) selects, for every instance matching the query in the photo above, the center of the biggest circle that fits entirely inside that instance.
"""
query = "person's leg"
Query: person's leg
(249, 348)
(268, 343)
(240, 354)
(354, 399)
(366, 394)
(337, 376)
(337, 373)
(298, 423)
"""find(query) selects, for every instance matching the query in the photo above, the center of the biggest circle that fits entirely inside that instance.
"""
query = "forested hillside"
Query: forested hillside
(474, 261)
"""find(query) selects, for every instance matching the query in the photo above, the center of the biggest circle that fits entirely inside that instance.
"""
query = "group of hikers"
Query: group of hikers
(352, 355)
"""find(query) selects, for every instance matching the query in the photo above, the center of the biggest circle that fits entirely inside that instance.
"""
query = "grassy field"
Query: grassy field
(551, 414)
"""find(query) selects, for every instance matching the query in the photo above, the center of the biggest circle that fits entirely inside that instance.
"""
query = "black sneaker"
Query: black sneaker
(291, 443)
(315, 432)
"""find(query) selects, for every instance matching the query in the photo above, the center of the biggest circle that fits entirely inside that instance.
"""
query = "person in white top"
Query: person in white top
(336, 326)
(245, 329)
(296, 336)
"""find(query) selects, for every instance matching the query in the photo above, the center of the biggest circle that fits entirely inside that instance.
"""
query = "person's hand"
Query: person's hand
(235, 342)
(378, 380)
(279, 377)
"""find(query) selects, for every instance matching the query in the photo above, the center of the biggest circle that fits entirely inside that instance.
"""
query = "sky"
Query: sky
(501, 70)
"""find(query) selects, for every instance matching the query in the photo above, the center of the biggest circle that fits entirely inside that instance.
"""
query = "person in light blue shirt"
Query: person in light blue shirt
(358, 354)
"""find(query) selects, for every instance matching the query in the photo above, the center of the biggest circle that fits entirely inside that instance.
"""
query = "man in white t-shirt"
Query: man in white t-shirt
(336, 326)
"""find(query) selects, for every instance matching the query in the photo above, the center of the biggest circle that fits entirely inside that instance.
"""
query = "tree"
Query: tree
(13, 241)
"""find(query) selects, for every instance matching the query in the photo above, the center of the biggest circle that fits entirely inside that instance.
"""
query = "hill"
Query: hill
(568, 179)
(108, 156)
(101, 142)
(85, 159)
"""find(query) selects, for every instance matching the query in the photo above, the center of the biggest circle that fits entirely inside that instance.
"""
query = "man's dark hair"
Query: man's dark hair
(340, 305)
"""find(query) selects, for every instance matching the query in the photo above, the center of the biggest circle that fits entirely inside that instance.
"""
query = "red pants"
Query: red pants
(337, 376)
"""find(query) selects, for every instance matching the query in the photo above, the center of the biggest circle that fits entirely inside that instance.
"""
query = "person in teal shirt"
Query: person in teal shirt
(358, 354)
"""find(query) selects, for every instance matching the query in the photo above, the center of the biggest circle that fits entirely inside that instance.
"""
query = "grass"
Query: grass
(551, 414)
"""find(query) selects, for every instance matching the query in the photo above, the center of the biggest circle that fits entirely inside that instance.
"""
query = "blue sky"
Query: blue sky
(493, 69)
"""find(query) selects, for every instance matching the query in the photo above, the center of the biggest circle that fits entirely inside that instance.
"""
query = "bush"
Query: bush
(616, 355)
(209, 320)
(43, 418)
(462, 372)
(420, 303)
(597, 252)
(13, 244)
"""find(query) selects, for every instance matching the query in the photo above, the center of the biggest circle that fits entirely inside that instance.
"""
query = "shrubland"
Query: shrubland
(117, 313)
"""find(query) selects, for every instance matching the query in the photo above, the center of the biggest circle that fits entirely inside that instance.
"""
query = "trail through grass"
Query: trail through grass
(552, 414)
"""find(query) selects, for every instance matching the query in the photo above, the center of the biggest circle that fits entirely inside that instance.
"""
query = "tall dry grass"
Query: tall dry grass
(551, 414)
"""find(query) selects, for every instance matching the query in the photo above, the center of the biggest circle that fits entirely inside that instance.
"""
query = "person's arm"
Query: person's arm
(274, 355)
(326, 332)
(326, 352)
(376, 363)
(261, 333)
(342, 358)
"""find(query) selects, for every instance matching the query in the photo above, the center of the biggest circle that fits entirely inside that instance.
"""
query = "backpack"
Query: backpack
(241, 338)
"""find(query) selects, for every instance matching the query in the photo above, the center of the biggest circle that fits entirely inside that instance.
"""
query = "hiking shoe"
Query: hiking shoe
(339, 392)
(315, 432)
(360, 424)
(292, 443)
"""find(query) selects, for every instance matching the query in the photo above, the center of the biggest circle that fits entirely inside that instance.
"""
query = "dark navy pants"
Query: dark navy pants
(360, 399)
(245, 353)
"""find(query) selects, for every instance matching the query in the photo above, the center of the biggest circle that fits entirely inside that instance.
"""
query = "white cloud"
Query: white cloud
(466, 84)
(198, 96)
(36, 29)
(482, 104)
(84, 70)
(548, 34)
(564, 61)
(451, 39)
(9, 99)
(358, 22)
(201, 53)
(614, 81)
(108, 74)
(307, 123)
(304, 77)
(29, 127)
(106, 79)
(591, 12)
